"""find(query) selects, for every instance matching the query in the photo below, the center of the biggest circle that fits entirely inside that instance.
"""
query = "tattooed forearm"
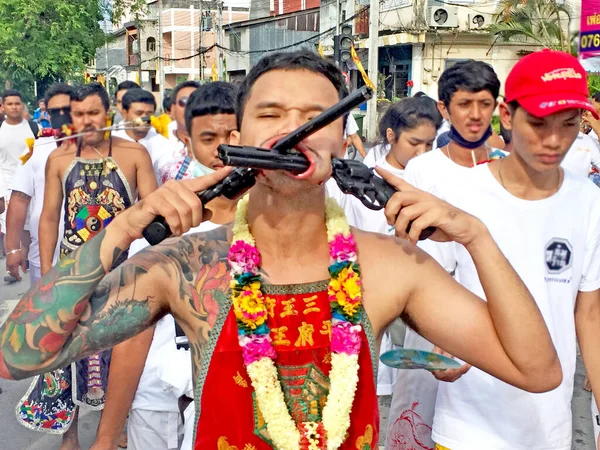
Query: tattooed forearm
(73, 311)
(46, 316)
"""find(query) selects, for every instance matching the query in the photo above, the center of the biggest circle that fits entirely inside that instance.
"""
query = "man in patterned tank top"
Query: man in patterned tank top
(92, 179)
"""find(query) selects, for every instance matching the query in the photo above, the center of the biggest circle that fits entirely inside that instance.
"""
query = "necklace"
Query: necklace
(99, 154)
(107, 164)
(259, 354)
(502, 180)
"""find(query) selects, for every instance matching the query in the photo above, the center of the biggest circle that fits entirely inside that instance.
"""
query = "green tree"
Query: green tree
(133, 9)
(48, 39)
(544, 22)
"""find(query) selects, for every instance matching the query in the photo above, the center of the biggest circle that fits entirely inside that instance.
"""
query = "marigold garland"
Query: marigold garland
(250, 310)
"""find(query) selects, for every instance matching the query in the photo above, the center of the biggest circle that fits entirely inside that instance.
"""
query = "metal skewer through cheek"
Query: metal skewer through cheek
(132, 125)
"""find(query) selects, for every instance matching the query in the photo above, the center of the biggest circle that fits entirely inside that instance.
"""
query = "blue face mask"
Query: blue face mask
(455, 136)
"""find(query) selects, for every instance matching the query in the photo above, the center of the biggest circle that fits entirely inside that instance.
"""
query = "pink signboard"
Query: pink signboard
(589, 32)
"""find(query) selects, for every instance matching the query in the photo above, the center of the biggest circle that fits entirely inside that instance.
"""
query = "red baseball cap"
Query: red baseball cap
(548, 81)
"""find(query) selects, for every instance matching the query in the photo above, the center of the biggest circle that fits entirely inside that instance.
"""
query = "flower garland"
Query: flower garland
(259, 354)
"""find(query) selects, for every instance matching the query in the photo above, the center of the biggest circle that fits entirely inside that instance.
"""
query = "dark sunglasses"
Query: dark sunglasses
(58, 111)
(182, 101)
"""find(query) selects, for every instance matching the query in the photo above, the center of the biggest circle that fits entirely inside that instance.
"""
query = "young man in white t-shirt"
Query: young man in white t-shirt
(148, 374)
(13, 133)
(28, 189)
(467, 93)
(546, 221)
(135, 104)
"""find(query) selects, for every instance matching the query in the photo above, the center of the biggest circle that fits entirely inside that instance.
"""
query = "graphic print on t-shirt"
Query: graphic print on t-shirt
(558, 255)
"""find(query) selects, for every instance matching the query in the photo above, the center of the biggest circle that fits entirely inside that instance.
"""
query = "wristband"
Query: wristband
(12, 252)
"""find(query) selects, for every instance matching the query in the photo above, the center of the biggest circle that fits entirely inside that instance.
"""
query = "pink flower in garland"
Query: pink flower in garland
(343, 248)
(244, 258)
(255, 347)
(345, 337)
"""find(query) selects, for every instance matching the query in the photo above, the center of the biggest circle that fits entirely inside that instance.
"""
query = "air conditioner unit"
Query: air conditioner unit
(442, 16)
(479, 21)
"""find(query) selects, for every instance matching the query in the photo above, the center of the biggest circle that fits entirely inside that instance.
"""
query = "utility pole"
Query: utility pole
(373, 68)
(161, 70)
(337, 17)
(200, 54)
(139, 52)
(220, 38)
(106, 55)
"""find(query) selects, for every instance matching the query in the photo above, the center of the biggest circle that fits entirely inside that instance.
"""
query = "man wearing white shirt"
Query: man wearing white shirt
(28, 189)
(467, 93)
(122, 89)
(13, 133)
(547, 222)
(141, 379)
(138, 103)
(582, 156)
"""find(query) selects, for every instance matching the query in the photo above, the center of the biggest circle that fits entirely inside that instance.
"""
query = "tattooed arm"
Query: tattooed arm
(76, 309)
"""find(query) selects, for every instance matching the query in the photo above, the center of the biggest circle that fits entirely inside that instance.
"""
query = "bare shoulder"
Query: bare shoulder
(63, 154)
(123, 145)
(379, 252)
(390, 269)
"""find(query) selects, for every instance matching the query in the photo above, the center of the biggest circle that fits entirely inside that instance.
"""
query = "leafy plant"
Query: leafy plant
(538, 21)
(593, 80)
(46, 39)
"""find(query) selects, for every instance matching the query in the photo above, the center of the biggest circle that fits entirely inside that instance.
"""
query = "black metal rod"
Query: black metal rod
(260, 158)
(325, 118)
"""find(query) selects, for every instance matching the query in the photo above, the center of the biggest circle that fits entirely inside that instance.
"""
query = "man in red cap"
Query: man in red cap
(546, 221)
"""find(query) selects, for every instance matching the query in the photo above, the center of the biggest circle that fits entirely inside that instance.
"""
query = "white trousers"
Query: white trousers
(154, 430)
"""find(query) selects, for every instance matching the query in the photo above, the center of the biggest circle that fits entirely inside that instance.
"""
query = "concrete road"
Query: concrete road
(15, 437)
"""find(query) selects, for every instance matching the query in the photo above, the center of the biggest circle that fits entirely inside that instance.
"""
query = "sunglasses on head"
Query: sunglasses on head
(182, 101)
(58, 111)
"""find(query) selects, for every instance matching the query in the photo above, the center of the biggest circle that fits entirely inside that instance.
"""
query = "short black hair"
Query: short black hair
(506, 134)
(408, 114)
(138, 95)
(167, 100)
(420, 94)
(127, 84)
(58, 89)
(471, 76)
(596, 97)
(180, 86)
(210, 99)
(297, 60)
(11, 93)
(85, 90)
